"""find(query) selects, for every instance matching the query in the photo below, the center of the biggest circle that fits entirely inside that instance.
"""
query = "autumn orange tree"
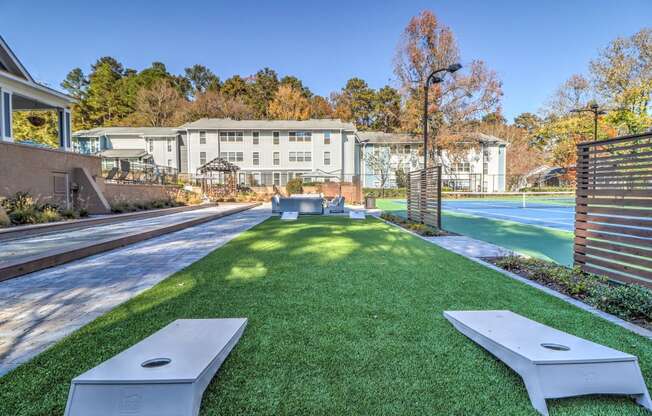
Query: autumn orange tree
(427, 45)
(289, 104)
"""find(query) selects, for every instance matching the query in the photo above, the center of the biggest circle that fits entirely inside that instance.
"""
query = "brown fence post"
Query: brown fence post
(439, 197)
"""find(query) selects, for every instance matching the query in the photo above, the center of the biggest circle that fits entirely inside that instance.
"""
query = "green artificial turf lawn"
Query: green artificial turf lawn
(541, 242)
(345, 317)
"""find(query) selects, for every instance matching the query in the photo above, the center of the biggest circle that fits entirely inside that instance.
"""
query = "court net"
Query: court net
(486, 200)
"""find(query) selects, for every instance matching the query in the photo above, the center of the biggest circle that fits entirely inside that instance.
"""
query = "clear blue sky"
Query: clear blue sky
(533, 45)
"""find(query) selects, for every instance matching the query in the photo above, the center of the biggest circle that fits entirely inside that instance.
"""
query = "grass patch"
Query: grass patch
(345, 318)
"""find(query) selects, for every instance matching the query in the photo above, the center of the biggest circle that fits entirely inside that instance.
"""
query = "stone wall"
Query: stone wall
(137, 193)
(46, 174)
(68, 179)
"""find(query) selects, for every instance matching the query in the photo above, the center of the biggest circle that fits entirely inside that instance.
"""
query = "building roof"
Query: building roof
(124, 153)
(379, 137)
(136, 131)
(227, 123)
(12, 68)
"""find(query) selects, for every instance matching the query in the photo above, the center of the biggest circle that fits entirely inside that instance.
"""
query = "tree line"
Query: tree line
(619, 78)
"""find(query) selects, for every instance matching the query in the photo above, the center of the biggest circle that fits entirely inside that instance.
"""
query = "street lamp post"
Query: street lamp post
(451, 68)
(596, 111)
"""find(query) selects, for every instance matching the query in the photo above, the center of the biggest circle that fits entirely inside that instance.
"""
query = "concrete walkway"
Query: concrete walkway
(470, 247)
(38, 309)
(27, 247)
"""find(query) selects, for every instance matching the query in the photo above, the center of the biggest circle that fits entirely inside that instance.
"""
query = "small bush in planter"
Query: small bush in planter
(49, 215)
(23, 216)
(294, 186)
(4, 218)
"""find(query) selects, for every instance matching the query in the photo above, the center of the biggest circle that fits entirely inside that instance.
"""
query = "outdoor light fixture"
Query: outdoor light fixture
(594, 108)
(432, 78)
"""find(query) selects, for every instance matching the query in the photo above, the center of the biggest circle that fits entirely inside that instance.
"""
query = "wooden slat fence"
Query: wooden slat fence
(424, 196)
(613, 215)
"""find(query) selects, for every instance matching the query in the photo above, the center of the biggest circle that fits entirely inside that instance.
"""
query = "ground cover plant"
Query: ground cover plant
(629, 302)
(21, 209)
(421, 229)
(345, 317)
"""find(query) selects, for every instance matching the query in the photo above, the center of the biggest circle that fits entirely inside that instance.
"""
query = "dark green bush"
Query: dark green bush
(626, 301)
(24, 216)
(384, 193)
(294, 186)
(421, 229)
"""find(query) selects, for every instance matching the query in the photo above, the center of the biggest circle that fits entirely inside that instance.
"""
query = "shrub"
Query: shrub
(49, 215)
(19, 201)
(69, 214)
(83, 212)
(626, 301)
(294, 186)
(384, 193)
(4, 218)
(23, 216)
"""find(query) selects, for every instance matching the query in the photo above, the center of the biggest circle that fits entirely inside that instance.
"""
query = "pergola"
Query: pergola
(224, 167)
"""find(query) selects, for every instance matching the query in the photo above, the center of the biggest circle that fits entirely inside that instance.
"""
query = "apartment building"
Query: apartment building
(271, 152)
(481, 168)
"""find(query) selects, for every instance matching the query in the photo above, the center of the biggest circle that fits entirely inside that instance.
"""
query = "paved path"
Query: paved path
(470, 247)
(26, 247)
(38, 309)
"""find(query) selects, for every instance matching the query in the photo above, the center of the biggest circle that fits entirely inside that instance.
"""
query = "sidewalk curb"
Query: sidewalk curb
(53, 258)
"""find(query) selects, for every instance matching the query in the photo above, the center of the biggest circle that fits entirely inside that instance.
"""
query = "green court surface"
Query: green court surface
(541, 242)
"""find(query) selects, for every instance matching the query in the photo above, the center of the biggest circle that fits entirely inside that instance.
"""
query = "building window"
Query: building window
(327, 158)
(300, 136)
(307, 156)
(7, 114)
(277, 137)
(327, 137)
(485, 168)
(231, 136)
(224, 155)
(202, 158)
(169, 162)
(256, 136)
(277, 158)
(202, 137)
(239, 157)
(151, 145)
(277, 178)
(256, 160)
(464, 167)
(293, 156)
(169, 145)
(299, 156)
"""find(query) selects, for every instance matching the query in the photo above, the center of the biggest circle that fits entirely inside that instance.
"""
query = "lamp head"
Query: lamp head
(454, 67)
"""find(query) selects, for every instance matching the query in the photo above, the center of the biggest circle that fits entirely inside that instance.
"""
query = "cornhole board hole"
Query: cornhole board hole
(357, 215)
(552, 363)
(290, 216)
(163, 375)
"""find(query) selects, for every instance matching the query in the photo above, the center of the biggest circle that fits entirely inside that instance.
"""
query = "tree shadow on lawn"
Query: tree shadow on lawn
(353, 327)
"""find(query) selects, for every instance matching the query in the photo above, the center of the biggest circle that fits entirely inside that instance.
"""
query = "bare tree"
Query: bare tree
(158, 104)
(380, 162)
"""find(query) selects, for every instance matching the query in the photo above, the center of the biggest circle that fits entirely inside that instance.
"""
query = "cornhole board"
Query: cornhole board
(289, 216)
(357, 215)
(552, 363)
(163, 375)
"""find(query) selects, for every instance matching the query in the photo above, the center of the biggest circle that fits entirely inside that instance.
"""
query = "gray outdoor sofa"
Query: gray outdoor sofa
(302, 205)
(336, 205)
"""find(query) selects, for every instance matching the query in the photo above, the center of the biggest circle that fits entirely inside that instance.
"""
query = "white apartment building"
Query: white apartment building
(481, 169)
(268, 152)
(271, 152)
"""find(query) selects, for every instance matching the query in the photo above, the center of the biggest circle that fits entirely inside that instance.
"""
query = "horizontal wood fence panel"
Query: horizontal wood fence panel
(613, 214)
(424, 196)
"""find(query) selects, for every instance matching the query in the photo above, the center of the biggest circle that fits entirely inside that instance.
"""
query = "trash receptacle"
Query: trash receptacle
(370, 202)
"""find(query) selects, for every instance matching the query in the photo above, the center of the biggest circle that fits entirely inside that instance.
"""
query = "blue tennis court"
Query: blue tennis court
(554, 210)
